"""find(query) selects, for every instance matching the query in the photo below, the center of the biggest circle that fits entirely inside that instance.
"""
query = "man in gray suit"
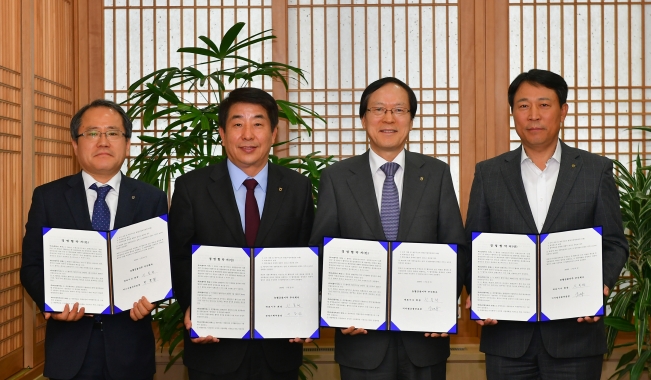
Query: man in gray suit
(541, 187)
(389, 193)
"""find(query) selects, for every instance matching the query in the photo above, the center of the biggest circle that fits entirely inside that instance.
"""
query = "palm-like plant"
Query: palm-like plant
(630, 307)
(191, 139)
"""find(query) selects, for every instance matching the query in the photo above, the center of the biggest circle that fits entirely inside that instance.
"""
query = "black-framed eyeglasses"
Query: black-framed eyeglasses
(110, 135)
(381, 111)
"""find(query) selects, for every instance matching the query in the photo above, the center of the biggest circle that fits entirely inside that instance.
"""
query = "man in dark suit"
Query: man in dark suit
(355, 202)
(79, 346)
(244, 201)
(541, 187)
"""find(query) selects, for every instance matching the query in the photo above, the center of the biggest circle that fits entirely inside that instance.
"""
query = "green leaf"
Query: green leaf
(230, 37)
(210, 44)
(627, 358)
(639, 366)
(199, 51)
(620, 324)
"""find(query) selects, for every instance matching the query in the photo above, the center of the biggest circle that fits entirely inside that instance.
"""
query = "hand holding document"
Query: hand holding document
(105, 272)
(537, 277)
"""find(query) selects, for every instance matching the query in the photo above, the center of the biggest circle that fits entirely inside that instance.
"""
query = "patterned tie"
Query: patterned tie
(251, 212)
(101, 213)
(390, 211)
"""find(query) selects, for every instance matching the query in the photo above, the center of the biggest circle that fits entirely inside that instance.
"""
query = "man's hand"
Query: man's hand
(299, 340)
(594, 319)
(485, 322)
(67, 315)
(201, 340)
(353, 331)
(141, 309)
(436, 335)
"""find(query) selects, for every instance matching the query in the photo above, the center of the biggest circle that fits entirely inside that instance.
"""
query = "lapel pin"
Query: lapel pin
(280, 189)
(133, 197)
(421, 178)
(573, 165)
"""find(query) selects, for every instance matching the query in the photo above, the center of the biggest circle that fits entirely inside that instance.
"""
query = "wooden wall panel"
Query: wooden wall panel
(11, 227)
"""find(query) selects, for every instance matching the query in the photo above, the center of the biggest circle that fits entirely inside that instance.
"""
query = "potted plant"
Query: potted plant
(191, 139)
(630, 307)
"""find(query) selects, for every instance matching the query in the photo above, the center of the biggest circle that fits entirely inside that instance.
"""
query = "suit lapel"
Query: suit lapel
(571, 164)
(221, 192)
(413, 186)
(272, 203)
(361, 186)
(128, 200)
(78, 203)
(512, 175)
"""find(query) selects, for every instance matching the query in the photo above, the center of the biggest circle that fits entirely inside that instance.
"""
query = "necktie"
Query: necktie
(101, 213)
(251, 212)
(390, 211)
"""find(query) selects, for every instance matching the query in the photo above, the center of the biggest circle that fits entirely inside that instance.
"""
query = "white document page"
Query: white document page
(424, 287)
(286, 293)
(221, 294)
(141, 263)
(354, 289)
(75, 264)
(571, 281)
(504, 277)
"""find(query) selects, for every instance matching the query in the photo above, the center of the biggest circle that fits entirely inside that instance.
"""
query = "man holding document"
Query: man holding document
(243, 201)
(389, 194)
(562, 202)
(100, 197)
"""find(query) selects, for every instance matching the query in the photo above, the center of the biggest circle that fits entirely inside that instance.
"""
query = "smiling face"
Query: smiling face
(101, 158)
(538, 115)
(248, 137)
(388, 133)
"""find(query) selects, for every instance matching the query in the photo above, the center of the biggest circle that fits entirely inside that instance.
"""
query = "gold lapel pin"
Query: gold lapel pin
(573, 165)
(280, 189)
(133, 197)
(421, 178)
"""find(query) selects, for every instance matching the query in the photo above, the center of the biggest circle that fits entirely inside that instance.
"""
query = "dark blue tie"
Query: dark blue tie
(390, 211)
(101, 213)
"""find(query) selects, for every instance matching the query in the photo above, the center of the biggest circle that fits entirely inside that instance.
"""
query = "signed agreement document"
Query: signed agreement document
(398, 286)
(107, 271)
(255, 293)
(537, 277)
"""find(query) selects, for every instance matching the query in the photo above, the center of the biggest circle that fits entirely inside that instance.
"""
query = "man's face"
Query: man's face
(101, 158)
(388, 133)
(537, 115)
(247, 137)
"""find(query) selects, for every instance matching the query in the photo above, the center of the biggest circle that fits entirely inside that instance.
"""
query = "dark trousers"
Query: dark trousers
(536, 364)
(94, 365)
(254, 367)
(395, 366)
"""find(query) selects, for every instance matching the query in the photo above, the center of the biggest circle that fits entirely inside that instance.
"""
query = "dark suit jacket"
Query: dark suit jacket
(204, 212)
(429, 213)
(129, 345)
(585, 196)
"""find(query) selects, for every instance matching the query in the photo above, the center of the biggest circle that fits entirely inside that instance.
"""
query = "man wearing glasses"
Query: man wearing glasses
(414, 201)
(100, 197)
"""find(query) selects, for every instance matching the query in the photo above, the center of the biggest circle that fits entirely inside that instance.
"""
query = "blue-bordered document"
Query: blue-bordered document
(537, 278)
(399, 286)
(255, 293)
(107, 271)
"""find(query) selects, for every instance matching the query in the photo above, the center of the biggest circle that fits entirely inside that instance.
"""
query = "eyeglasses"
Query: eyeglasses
(110, 135)
(381, 111)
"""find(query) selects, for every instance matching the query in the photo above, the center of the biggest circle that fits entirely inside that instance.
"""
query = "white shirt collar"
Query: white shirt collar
(556, 156)
(113, 182)
(376, 161)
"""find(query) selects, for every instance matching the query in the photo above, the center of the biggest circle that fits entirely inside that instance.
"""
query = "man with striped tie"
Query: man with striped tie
(414, 201)
(100, 197)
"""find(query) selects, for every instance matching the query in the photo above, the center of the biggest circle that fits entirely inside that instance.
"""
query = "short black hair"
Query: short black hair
(540, 78)
(363, 104)
(75, 123)
(249, 95)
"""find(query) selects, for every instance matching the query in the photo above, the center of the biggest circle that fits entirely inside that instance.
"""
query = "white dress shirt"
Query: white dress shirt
(376, 163)
(540, 184)
(237, 180)
(111, 197)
